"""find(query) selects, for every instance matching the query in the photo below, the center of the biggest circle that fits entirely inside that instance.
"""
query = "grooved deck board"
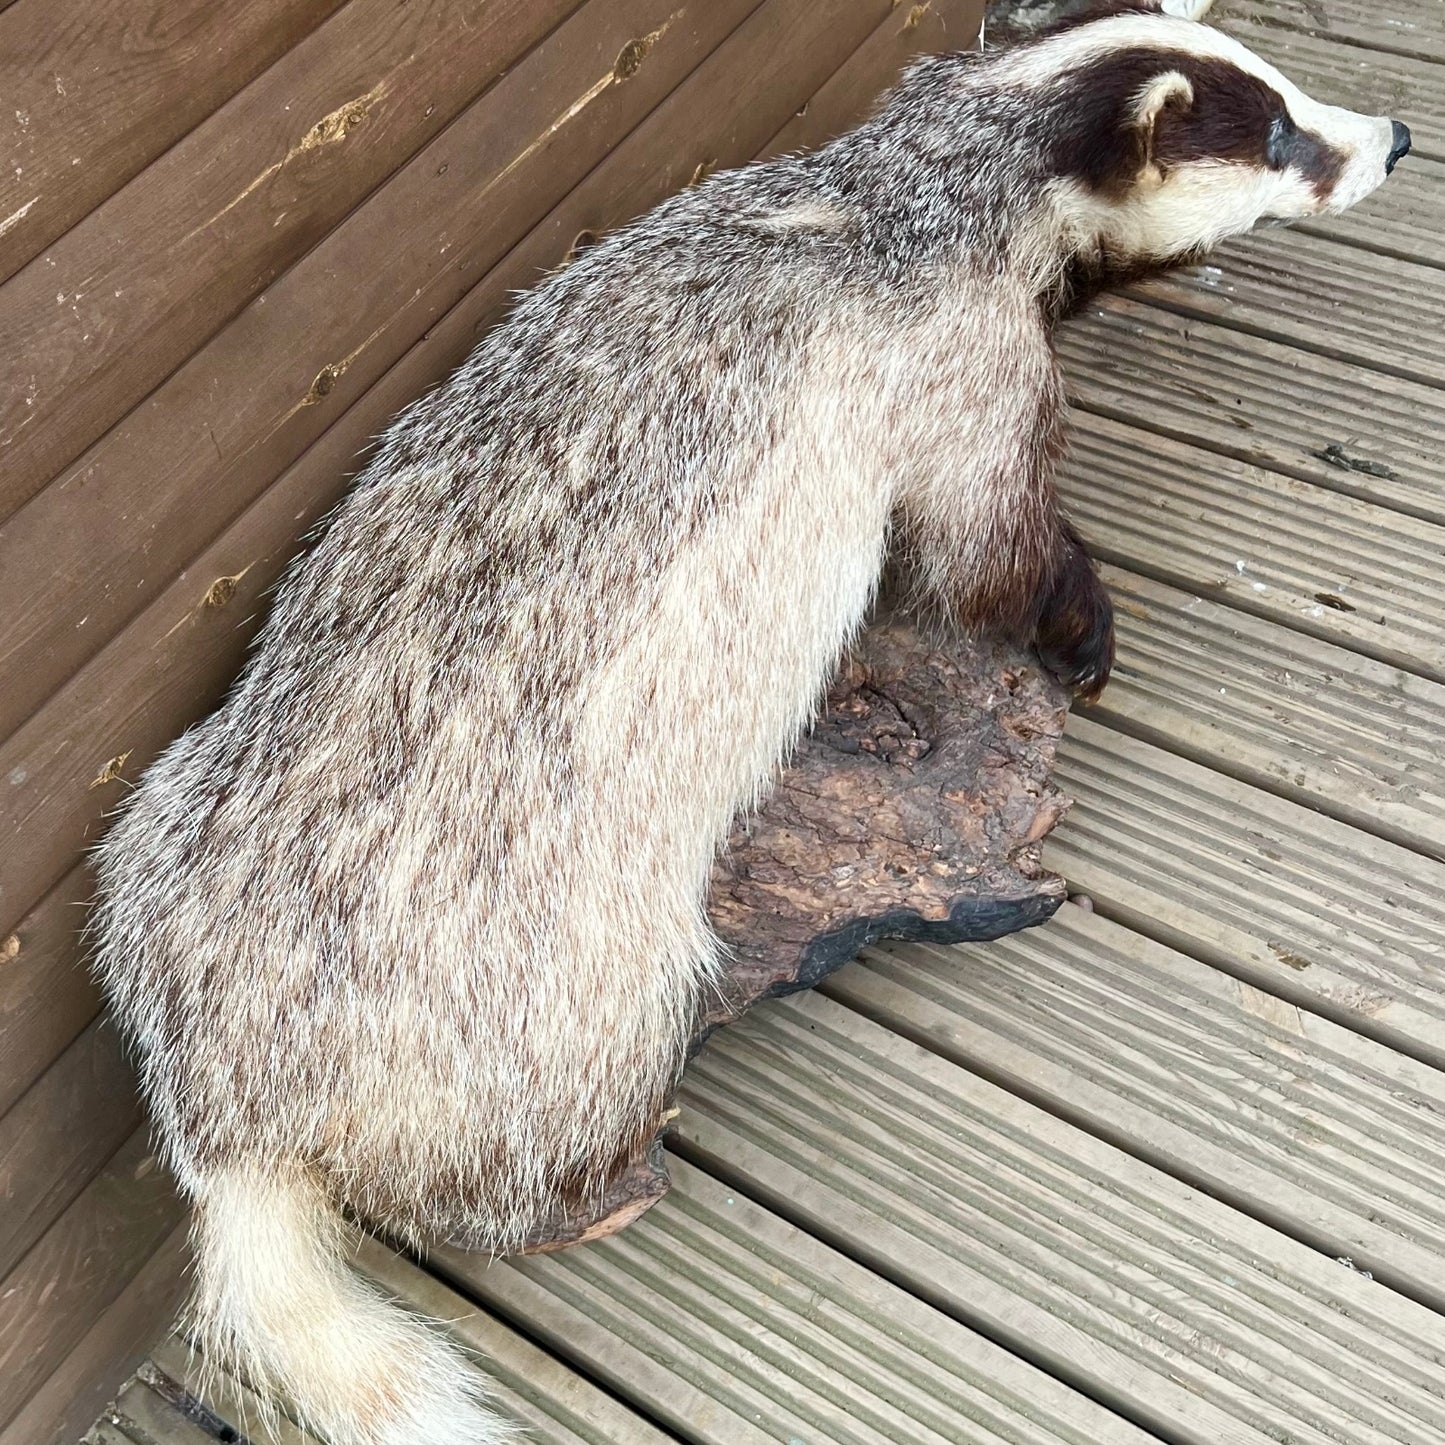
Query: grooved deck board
(1295, 903)
(1319, 296)
(96, 89)
(1261, 402)
(142, 1415)
(1332, 566)
(1411, 28)
(1405, 218)
(1200, 1323)
(1291, 1118)
(1316, 723)
(733, 1328)
(178, 1372)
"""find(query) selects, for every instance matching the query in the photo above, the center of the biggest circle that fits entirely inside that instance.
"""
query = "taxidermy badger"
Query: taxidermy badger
(413, 925)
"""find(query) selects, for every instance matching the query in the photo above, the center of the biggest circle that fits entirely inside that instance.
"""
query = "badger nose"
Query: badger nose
(1400, 147)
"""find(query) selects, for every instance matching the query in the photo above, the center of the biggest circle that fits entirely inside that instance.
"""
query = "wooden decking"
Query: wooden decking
(1169, 1168)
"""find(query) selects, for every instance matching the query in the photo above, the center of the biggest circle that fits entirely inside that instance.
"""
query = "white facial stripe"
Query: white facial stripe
(1036, 64)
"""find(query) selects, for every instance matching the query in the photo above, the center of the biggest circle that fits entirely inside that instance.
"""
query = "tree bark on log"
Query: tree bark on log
(914, 809)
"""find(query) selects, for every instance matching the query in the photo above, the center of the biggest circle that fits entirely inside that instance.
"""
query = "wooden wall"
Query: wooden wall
(236, 238)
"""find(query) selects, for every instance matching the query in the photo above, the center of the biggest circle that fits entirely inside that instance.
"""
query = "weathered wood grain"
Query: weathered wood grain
(1395, 79)
(103, 1432)
(97, 89)
(1264, 403)
(1295, 903)
(1266, 704)
(1319, 296)
(53, 1142)
(1410, 28)
(1326, 1136)
(1404, 219)
(118, 1340)
(1350, 572)
(131, 291)
(1182, 1314)
(79, 1266)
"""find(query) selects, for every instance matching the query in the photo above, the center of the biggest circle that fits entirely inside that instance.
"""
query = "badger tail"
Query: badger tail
(276, 1302)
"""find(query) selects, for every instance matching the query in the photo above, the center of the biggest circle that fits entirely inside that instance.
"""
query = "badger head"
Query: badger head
(1161, 136)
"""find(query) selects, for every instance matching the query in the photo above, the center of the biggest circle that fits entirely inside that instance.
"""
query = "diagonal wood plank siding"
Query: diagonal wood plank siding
(128, 293)
(97, 89)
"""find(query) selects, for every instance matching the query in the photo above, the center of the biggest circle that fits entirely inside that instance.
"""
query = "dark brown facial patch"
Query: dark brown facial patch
(1318, 161)
(1093, 138)
(1234, 117)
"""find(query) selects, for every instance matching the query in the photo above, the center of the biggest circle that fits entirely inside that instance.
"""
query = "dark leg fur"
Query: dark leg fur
(1074, 633)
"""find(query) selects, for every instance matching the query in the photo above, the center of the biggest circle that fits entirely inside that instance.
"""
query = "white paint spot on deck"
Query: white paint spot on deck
(15, 217)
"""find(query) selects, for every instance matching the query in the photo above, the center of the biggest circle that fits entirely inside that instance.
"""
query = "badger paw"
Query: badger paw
(1075, 632)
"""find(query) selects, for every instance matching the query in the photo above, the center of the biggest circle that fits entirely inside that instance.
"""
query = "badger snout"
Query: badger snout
(1367, 148)
(1399, 145)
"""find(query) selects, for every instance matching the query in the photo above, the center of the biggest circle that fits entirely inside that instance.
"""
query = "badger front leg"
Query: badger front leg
(1074, 625)
(987, 543)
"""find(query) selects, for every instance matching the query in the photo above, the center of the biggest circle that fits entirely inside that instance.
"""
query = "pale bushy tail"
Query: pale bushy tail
(276, 1302)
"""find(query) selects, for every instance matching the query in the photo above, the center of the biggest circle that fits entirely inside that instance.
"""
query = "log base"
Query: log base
(915, 809)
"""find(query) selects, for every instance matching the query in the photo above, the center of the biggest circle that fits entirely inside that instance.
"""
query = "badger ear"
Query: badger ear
(1168, 93)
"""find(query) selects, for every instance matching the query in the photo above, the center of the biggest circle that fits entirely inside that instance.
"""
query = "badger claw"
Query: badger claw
(1075, 631)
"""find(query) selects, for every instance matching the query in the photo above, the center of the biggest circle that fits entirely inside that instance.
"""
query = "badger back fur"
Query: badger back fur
(413, 925)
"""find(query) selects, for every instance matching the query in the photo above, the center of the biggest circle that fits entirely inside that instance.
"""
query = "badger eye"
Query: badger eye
(1278, 142)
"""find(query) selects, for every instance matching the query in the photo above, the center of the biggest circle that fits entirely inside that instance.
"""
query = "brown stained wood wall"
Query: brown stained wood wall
(286, 222)
(97, 89)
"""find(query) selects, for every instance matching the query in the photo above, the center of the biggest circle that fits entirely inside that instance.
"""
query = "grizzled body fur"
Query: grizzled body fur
(414, 923)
